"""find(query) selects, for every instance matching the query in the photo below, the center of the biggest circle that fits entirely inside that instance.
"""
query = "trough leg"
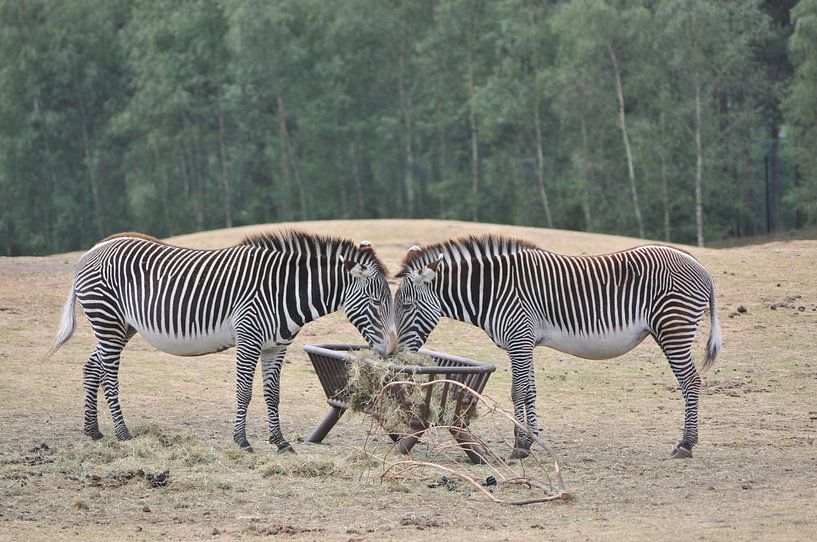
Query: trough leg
(407, 441)
(319, 433)
(468, 444)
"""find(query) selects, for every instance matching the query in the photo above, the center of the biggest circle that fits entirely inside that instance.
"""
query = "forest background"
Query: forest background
(689, 121)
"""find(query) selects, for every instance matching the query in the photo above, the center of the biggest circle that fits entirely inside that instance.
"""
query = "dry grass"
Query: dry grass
(368, 376)
(612, 422)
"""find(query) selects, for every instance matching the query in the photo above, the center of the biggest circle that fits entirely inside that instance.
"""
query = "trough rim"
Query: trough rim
(342, 351)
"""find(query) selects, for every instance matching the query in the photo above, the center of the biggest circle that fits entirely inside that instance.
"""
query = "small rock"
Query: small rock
(801, 308)
(741, 309)
(773, 307)
(489, 481)
(215, 532)
(146, 508)
(158, 480)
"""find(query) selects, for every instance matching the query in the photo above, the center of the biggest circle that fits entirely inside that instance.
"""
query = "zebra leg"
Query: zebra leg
(109, 360)
(677, 347)
(91, 379)
(247, 353)
(690, 382)
(271, 362)
(530, 403)
(112, 334)
(522, 395)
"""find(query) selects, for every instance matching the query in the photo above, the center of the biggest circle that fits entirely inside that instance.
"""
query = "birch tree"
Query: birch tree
(597, 38)
(711, 62)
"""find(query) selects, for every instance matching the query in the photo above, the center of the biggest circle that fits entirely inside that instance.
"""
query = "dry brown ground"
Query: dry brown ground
(613, 423)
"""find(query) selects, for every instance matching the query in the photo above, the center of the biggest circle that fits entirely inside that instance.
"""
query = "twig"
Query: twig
(494, 407)
(445, 469)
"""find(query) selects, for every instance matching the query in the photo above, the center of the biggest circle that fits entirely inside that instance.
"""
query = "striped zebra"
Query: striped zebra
(255, 296)
(594, 307)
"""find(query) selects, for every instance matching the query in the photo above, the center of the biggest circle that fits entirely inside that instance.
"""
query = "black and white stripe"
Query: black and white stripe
(255, 296)
(595, 307)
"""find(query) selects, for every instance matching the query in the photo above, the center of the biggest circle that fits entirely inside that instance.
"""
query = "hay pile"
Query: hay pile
(399, 406)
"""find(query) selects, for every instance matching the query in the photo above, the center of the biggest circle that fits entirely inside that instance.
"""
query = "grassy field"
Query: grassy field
(613, 423)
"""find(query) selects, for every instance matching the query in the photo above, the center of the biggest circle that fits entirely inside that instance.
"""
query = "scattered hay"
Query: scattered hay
(309, 468)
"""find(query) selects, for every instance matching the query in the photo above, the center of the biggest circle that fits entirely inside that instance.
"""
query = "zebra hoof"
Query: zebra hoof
(286, 448)
(519, 453)
(95, 434)
(244, 445)
(680, 452)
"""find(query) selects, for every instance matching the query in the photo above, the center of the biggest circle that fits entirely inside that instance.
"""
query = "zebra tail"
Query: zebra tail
(68, 324)
(715, 342)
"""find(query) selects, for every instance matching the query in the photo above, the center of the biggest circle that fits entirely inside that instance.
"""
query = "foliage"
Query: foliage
(801, 108)
(619, 116)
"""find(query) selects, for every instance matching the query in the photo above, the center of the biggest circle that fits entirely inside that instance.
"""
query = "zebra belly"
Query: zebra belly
(194, 345)
(596, 345)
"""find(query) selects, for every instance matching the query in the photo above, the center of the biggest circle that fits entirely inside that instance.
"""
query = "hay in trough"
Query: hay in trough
(399, 407)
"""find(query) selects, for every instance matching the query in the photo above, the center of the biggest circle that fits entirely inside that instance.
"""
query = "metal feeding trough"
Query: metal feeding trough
(331, 363)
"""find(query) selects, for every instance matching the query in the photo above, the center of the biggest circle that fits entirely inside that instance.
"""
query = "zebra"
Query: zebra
(594, 307)
(255, 296)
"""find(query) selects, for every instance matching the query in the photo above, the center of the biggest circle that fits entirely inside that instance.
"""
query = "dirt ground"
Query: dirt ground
(613, 423)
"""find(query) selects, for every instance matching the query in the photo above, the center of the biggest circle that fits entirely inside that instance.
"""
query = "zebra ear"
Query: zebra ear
(355, 269)
(429, 272)
(426, 274)
(433, 265)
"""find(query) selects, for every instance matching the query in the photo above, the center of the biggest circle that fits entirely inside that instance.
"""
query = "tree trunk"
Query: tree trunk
(540, 163)
(664, 184)
(290, 151)
(225, 170)
(358, 181)
(49, 220)
(191, 132)
(282, 136)
(699, 211)
(622, 122)
(472, 123)
(665, 197)
(201, 179)
(90, 167)
(588, 217)
(405, 109)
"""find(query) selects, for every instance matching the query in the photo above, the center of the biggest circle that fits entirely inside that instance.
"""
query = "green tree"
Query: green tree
(61, 81)
(801, 107)
(605, 42)
(712, 68)
(178, 175)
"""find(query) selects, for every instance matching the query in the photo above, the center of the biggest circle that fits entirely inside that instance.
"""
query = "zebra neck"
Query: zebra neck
(314, 287)
(460, 294)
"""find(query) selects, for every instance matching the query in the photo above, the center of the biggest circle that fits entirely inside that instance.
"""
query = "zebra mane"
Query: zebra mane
(132, 234)
(464, 248)
(299, 241)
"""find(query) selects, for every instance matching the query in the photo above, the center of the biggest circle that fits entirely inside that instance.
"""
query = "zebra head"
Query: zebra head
(417, 306)
(367, 301)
